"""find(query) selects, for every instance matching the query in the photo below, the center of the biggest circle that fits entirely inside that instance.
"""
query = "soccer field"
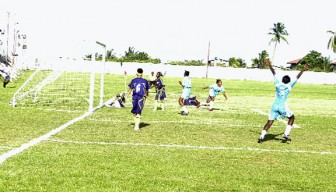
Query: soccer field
(204, 151)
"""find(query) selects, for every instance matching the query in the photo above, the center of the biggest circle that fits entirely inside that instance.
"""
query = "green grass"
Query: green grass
(204, 151)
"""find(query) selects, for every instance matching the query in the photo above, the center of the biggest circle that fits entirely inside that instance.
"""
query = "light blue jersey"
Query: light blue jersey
(186, 83)
(215, 89)
(279, 106)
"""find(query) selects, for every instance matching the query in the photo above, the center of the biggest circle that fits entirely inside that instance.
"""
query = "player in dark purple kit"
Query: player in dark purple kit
(160, 91)
(140, 88)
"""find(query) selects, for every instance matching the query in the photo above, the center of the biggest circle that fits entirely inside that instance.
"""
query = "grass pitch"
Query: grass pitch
(204, 151)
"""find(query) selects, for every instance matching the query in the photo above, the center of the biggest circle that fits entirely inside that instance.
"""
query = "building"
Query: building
(294, 63)
(218, 62)
(333, 66)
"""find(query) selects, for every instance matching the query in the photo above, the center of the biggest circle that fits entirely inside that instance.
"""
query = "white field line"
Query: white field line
(46, 136)
(192, 147)
(181, 121)
(281, 120)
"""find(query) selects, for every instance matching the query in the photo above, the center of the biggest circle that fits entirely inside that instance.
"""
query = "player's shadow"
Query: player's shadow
(142, 125)
(269, 137)
(216, 109)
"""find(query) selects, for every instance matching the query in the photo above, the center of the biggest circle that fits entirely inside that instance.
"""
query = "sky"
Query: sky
(172, 29)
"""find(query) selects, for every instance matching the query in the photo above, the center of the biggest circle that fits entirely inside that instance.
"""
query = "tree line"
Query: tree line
(278, 33)
(131, 55)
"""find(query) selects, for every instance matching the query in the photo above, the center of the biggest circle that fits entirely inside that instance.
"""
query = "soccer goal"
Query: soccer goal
(65, 85)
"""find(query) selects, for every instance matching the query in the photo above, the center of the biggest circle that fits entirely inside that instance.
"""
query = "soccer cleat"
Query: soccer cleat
(260, 140)
(136, 129)
(287, 137)
(210, 109)
(184, 113)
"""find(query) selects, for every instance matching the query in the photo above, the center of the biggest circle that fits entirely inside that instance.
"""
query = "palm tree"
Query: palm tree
(332, 41)
(279, 32)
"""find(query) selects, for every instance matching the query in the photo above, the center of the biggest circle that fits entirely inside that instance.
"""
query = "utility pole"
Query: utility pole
(14, 47)
(7, 61)
(208, 61)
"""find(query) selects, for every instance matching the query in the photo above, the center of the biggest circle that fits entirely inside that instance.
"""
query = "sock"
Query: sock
(211, 105)
(162, 106)
(184, 108)
(263, 133)
(155, 105)
(288, 129)
(137, 122)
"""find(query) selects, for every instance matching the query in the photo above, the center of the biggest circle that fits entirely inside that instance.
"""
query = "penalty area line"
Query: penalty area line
(281, 120)
(191, 147)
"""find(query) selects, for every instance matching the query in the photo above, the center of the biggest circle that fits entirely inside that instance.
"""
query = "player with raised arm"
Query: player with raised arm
(215, 89)
(139, 87)
(279, 106)
(186, 91)
(161, 93)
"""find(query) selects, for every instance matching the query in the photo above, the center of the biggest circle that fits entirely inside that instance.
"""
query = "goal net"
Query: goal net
(64, 85)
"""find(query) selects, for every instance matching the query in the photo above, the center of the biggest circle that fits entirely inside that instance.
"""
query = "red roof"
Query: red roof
(333, 63)
(295, 62)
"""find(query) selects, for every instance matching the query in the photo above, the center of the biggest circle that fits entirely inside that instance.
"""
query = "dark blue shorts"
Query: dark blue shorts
(138, 104)
(161, 93)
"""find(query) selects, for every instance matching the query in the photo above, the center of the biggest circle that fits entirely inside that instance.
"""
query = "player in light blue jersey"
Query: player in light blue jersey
(215, 89)
(186, 91)
(279, 107)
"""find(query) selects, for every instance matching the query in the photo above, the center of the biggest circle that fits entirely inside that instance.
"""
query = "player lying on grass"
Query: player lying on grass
(118, 101)
(279, 107)
(160, 91)
(139, 87)
(192, 101)
(215, 89)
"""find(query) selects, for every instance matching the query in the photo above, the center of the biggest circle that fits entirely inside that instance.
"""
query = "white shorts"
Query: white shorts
(186, 93)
